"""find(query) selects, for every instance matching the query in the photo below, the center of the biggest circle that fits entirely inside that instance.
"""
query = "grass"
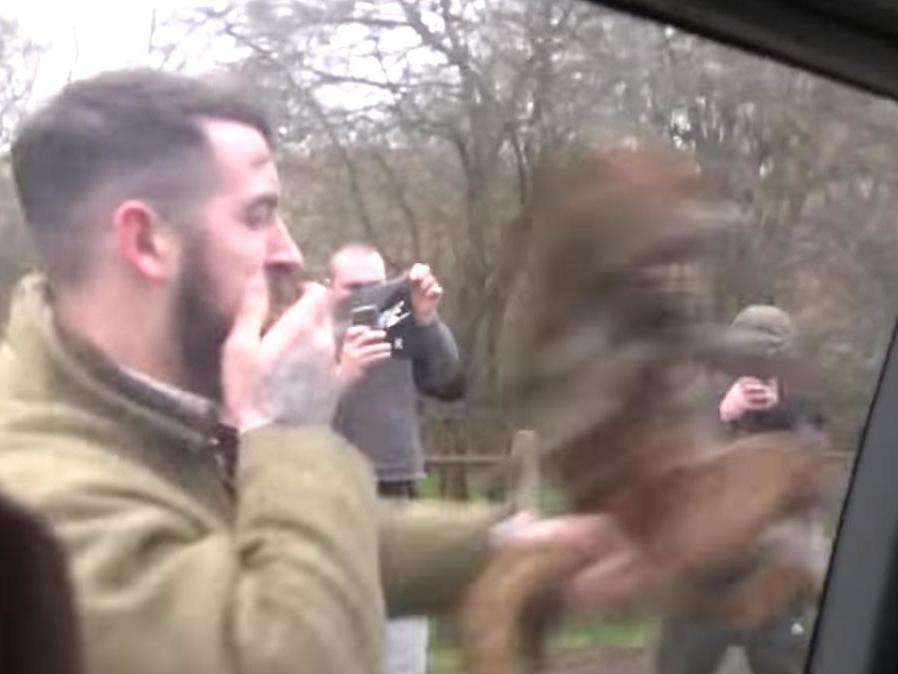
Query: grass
(430, 486)
(575, 634)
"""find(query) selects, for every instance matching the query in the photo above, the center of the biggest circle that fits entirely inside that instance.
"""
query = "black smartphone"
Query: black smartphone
(366, 314)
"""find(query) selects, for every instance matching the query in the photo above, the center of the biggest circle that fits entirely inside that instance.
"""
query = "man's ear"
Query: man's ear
(146, 244)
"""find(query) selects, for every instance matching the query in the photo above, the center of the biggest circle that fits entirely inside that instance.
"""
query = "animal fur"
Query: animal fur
(609, 371)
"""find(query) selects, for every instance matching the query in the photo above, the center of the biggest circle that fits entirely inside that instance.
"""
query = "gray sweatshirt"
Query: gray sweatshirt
(379, 414)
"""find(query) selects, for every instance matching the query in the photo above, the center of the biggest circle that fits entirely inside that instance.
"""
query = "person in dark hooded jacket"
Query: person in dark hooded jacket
(754, 404)
(696, 643)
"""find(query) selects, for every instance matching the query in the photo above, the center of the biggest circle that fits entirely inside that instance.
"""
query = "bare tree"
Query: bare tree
(19, 61)
(422, 126)
(432, 117)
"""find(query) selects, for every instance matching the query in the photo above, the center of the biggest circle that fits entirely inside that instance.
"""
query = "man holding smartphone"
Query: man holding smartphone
(395, 348)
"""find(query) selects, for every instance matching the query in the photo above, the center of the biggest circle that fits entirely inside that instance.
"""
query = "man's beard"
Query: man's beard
(201, 328)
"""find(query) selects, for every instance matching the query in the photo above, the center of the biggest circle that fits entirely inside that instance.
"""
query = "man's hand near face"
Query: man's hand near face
(425, 293)
(748, 394)
(362, 347)
(289, 374)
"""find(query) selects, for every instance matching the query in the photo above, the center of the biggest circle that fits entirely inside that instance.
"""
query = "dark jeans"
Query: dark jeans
(403, 489)
(697, 645)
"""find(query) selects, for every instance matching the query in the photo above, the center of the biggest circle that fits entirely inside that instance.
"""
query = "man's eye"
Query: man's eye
(260, 216)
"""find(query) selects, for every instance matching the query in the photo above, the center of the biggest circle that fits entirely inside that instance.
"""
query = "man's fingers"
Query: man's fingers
(586, 537)
(429, 285)
(240, 357)
(610, 583)
(760, 398)
(373, 353)
(360, 335)
(616, 574)
(311, 312)
(418, 272)
(606, 568)
(253, 309)
(376, 347)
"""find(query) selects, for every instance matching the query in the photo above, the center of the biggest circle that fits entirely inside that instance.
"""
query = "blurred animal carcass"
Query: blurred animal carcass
(612, 368)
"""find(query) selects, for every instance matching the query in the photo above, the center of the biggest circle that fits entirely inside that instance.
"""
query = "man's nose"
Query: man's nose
(282, 248)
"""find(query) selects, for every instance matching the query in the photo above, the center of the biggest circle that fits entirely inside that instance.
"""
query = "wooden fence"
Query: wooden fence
(517, 468)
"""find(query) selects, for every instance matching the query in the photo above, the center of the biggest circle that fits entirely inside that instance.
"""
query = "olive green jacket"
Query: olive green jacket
(289, 568)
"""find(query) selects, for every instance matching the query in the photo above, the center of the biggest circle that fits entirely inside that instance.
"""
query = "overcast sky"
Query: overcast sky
(83, 37)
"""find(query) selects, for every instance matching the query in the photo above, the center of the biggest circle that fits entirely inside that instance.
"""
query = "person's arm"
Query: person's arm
(436, 365)
(431, 551)
(164, 585)
(437, 368)
(435, 555)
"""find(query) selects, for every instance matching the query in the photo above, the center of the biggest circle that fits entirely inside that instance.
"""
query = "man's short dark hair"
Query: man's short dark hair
(134, 131)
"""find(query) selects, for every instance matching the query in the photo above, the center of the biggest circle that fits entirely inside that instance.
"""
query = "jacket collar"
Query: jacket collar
(71, 367)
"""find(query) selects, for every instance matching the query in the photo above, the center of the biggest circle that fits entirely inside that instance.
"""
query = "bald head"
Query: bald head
(355, 266)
